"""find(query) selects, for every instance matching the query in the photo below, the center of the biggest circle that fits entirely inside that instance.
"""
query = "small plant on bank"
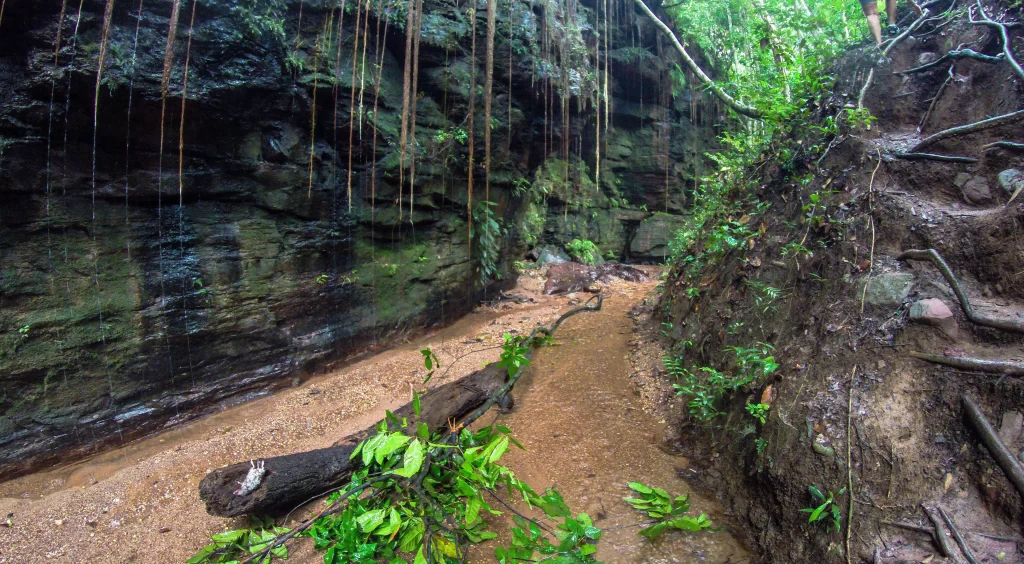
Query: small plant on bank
(487, 233)
(321, 279)
(759, 411)
(707, 387)
(583, 250)
(828, 504)
(668, 512)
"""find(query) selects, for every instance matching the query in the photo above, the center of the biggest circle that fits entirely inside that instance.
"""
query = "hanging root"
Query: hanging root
(1004, 367)
(956, 54)
(1007, 43)
(980, 319)
(1004, 145)
(957, 536)
(999, 452)
(934, 157)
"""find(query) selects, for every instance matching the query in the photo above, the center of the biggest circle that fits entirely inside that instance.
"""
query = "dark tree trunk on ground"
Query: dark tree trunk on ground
(293, 479)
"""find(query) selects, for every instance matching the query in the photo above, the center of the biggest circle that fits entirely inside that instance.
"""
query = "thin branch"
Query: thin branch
(935, 258)
(935, 100)
(970, 128)
(722, 95)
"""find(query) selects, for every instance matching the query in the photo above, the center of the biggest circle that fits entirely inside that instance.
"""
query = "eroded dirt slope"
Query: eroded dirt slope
(848, 389)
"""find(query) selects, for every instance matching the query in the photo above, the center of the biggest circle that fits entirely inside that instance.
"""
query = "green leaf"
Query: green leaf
(638, 487)
(419, 557)
(370, 520)
(413, 536)
(393, 443)
(228, 537)
(412, 461)
(816, 493)
(498, 450)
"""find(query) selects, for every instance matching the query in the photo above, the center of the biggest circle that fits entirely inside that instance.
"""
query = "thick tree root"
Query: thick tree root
(1002, 455)
(934, 157)
(1004, 367)
(955, 54)
(935, 100)
(1007, 43)
(293, 479)
(969, 128)
(980, 319)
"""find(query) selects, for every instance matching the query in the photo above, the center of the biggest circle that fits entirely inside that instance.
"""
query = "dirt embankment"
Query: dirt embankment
(851, 405)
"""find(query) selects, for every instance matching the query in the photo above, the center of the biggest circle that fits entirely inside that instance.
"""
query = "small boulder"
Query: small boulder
(927, 57)
(1011, 180)
(1011, 428)
(889, 289)
(961, 179)
(934, 311)
(976, 191)
(551, 255)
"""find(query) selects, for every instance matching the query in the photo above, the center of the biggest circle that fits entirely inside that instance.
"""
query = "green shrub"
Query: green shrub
(583, 250)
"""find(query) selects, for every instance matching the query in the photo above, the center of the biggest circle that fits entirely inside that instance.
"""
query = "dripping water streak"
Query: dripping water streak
(128, 131)
(108, 11)
(164, 81)
(181, 193)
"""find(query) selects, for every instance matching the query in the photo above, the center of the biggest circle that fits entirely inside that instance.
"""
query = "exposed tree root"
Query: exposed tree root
(940, 534)
(1004, 145)
(1002, 455)
(936, 259)
(957, 536)
(1007, 43)
(935, 157)
(1004, 367)
(956, 54)
(969, 128)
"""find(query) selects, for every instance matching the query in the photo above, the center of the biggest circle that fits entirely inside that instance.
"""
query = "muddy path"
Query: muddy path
(584, 428)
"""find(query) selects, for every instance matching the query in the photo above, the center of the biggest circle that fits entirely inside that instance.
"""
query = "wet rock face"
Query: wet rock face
(134, 298)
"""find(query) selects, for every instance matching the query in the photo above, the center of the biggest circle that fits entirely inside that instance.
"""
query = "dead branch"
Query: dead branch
(957, 536)
(1002, 455)
(940, 534)
(1004, 367)
(936, 259)
(956, 54)
(1004, 145)
(969, 128)
(910, 527)
(935, 100)
(1007, 43)
(934, 157)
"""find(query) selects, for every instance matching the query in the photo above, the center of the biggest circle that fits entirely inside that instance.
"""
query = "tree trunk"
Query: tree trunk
(294, 479)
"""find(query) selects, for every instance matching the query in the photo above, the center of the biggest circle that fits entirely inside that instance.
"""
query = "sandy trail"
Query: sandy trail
(140, 503)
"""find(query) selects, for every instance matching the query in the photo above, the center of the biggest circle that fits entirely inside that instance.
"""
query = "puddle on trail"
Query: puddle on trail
(586, 434)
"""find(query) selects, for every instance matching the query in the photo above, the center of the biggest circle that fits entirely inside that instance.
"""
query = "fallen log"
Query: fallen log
(293, 479)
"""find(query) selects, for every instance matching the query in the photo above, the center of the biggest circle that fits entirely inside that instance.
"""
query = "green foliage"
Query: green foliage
(764, 295)
(818, 512)
(513, 354)
(487, 233)
(231, 546)
(322, 279)
(668, 512)
(431, 362)
(707, 387)
(758, 411)
(583, 250)
(260, 18)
